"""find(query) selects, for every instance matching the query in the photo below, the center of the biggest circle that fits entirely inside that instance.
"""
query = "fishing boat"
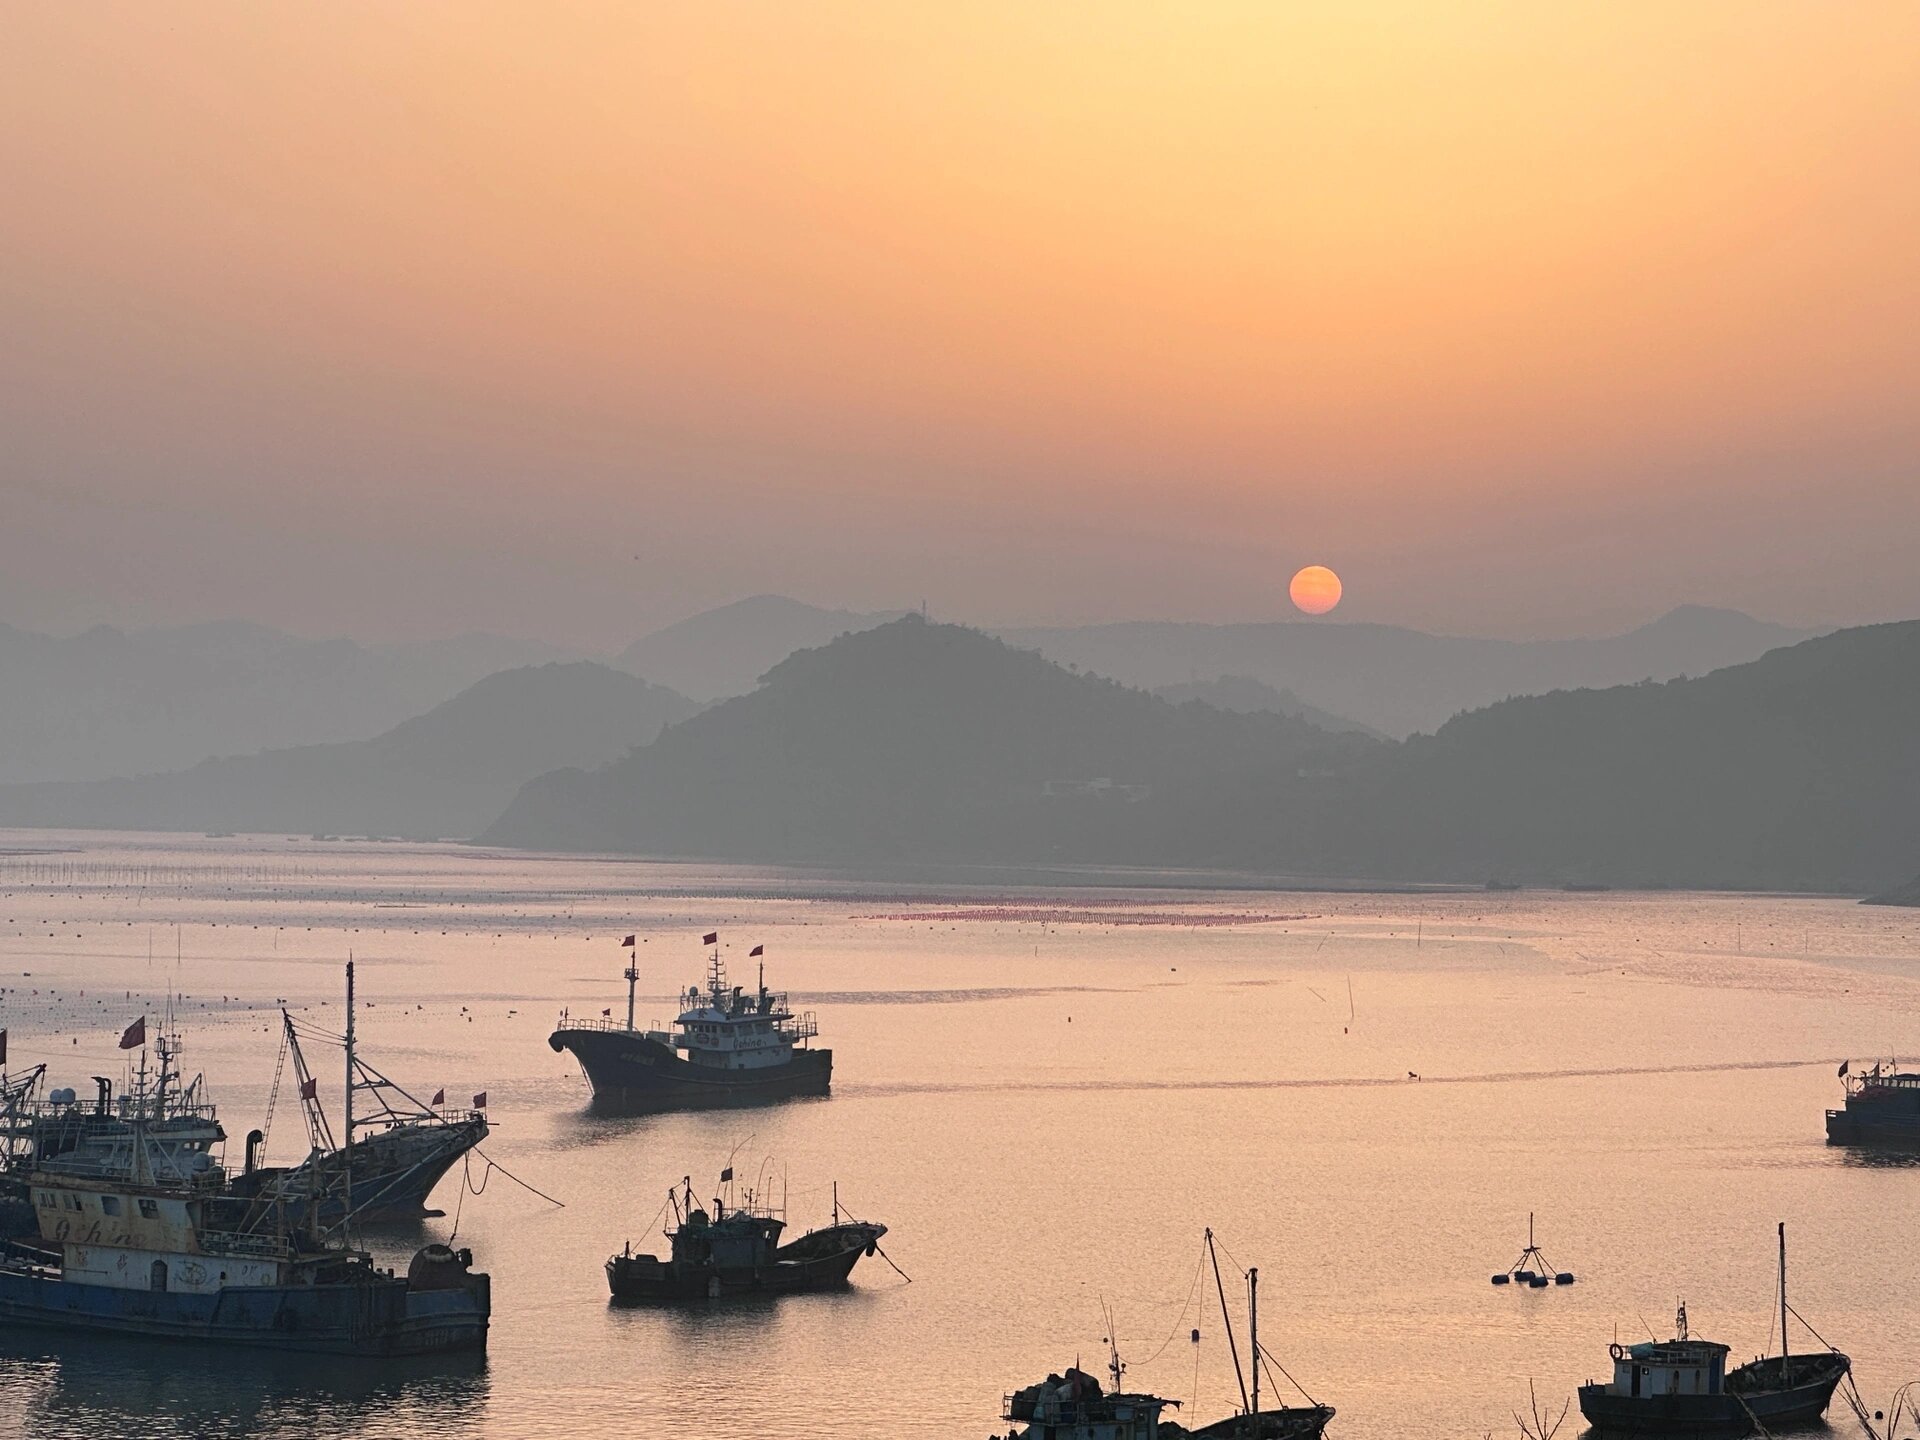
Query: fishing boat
(401, 1150)
(728, 1046)
(141, 1235)
(1074, 1407)
(1879, 1109)
(736, 1250)
(1682, 1386)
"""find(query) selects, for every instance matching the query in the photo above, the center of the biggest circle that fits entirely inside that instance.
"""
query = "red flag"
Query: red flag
(627, 941)
(135, 1035)
(606, 1012)
(713, 939)
(480, 1101)
(309, 1089)
(440, 1097)
(3, 1047)
(756, 950)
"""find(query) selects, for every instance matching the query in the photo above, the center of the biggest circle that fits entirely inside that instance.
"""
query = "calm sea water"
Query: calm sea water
(1047, 1093)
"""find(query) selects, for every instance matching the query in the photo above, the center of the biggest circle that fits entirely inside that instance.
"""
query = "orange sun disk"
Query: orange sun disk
(1315, 589)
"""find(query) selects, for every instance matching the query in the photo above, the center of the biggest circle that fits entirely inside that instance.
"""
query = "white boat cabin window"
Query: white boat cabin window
(70, 1200)
(47, 1202)
(109, 1204)
(149, 1209)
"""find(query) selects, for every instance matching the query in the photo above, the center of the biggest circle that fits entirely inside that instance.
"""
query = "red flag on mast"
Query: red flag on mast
(480, 1101)
(440, 1097)
(135, 1035)
(712, 939)
(309, 1089)
(756, 950)
(626, 942)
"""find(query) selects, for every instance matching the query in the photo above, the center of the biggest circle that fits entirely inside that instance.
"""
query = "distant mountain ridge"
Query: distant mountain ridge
(913, 739)
(109, 702)
(445, 773)
(1400, 681)
(1247, 695)
(725, 651)
(1799, 770)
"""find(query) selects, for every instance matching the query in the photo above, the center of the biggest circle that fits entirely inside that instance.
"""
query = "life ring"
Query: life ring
(1617, 1350)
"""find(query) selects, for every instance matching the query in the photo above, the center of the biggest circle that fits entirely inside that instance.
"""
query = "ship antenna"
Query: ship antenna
(633, 978)
(346, 1150)
(1783, 1302)
(1253, 1335)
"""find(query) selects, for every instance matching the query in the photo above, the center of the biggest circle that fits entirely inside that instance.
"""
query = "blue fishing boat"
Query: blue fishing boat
(140, 1233)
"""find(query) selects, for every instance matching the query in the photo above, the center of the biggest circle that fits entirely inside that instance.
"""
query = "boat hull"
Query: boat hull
(394, 1171)
(1299, 1422)
(1731, 1413)
(1863, 1127)
(367, 1320)
(823, 1260)
(633, 1074)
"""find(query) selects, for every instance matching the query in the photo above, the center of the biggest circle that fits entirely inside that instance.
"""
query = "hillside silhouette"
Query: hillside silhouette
(445, 773)
(932, 741)
(1399, 681)
(1800, 770)
(111, 702)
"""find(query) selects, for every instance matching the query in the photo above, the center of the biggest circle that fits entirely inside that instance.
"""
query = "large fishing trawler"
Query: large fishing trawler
(728, 1046)
(139, 1233)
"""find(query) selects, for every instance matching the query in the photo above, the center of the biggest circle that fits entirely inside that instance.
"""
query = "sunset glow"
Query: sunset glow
(834, 295)
(1315, 589)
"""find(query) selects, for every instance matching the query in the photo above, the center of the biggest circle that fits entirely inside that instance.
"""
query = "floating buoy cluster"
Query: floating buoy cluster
(1532, 1269)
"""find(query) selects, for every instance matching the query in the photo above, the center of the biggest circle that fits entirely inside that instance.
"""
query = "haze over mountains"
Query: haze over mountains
(110, 702)
(445, 773)
(1400, 681)
(1799, 770)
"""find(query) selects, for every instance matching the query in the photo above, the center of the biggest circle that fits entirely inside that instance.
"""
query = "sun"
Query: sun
(1316, 589)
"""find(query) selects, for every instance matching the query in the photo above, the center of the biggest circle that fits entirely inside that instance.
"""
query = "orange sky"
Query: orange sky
(569, 319)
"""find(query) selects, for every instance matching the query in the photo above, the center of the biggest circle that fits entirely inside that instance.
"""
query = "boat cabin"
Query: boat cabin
(1669, 1367)
(1073, 1407)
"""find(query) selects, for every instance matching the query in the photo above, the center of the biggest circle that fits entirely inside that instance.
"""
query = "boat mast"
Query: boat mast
(1253, 1336)
(633, 978)
(346, 1150)
(1227, 1320)
(1783, 1302)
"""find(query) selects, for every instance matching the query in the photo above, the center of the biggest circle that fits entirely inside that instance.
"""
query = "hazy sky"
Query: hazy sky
(569, 319)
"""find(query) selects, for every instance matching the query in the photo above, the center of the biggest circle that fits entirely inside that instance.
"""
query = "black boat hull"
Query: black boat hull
(1733, 1412)
(1299, 1422)
(633, 1074)
(1877, 1132)
(394, 1172)
(823, 1260)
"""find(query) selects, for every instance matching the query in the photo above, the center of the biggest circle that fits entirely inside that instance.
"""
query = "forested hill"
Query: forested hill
(917, 739)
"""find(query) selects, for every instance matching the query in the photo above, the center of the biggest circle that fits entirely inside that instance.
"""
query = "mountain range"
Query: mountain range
(1800, 770)
(110, 702)
(1401, 681)
(447, 772)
